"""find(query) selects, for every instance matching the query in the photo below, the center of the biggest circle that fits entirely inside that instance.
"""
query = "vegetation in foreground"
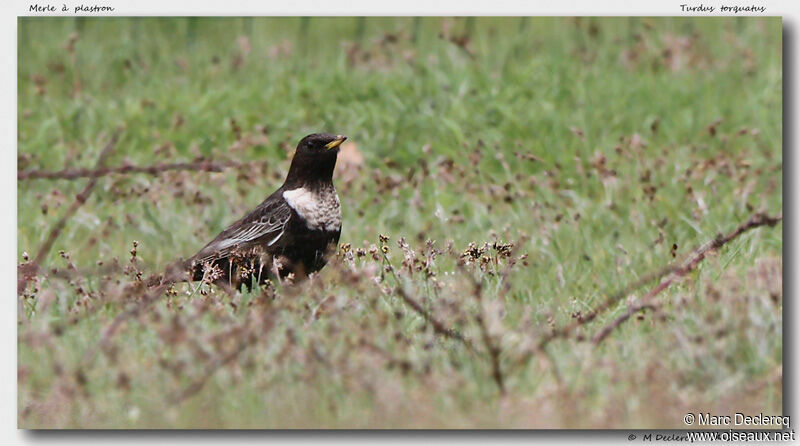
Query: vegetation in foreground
(510, 186)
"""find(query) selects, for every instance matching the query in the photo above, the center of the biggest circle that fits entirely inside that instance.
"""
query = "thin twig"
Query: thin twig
(632, 309)
(174, 273)
(246, 340)
(679, 270)
(438, 326)
(491, 347)
(28, 270)
(404, 364)
(694, 259)
(154, 169)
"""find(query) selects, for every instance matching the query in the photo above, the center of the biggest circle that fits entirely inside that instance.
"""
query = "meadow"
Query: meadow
(548, 222)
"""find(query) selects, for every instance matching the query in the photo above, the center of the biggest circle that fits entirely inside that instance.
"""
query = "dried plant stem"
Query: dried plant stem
(247, 339)
(694, 259)
(154, 169)
(27, 271)
(173, 274)
(389, 358)
(491, 347)
(632, 309)
(438, 326)
(675, 272)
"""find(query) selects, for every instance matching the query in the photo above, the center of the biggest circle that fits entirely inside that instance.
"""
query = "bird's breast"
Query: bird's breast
(319, 209)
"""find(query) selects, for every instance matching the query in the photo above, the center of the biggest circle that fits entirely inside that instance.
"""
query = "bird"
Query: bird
(289, 234)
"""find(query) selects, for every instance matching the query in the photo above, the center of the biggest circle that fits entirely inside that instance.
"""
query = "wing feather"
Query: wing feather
(268, 221)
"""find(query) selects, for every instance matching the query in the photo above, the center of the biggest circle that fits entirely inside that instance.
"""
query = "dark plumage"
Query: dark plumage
(288, 233)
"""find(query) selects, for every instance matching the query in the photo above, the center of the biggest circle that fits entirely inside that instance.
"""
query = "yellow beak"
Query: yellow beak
(336, 142)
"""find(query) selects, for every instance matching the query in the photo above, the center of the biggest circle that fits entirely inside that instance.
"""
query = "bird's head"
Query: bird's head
(315, 158)
(320, 144)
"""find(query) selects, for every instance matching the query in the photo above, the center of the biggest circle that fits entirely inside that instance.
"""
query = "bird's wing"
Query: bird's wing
(267, 222)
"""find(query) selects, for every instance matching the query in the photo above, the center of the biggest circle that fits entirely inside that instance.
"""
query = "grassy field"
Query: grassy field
(504, 177)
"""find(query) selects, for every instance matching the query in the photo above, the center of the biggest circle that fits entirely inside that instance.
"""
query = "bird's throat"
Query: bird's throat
(311, 171)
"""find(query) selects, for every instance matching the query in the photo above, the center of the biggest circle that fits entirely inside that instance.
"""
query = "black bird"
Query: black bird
(288, 233)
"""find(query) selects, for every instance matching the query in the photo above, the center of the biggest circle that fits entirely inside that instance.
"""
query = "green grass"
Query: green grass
(616, 111)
